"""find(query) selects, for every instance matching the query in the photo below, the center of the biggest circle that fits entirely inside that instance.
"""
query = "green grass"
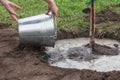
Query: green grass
(70, 11)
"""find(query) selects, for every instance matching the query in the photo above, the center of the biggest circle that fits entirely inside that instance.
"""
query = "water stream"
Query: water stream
(71, 53)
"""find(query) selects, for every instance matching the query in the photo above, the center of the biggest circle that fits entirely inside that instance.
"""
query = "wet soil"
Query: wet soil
(105, 50)
(99, 49)
(85, 53)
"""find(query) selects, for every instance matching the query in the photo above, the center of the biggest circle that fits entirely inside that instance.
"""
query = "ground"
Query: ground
(18, 63)
(28, 63)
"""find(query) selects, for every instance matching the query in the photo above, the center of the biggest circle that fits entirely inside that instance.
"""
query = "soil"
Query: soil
(29, 63)
(104, 50)
(104, 16)
(84, 54)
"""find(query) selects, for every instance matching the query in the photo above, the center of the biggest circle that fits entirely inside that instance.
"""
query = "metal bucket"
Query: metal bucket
(37, 30)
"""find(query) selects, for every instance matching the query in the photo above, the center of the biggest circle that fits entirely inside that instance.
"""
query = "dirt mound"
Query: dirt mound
(107, 16)
(103, 16)
(105, 50)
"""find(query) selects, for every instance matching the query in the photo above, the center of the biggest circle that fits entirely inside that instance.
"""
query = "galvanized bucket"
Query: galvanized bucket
(37, 30)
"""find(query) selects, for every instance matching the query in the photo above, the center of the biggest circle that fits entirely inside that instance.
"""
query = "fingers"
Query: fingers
(10, 8)
(54, 11)
(14, 18)
(47, 12)
(53, 8)
(14, 6)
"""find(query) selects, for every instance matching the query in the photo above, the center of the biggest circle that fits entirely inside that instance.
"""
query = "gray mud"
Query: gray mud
(79, 50)
(105, 50)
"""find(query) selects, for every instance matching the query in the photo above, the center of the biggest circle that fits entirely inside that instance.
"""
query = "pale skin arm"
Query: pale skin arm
(9, 6)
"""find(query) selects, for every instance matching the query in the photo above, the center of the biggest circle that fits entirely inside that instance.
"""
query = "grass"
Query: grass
(116, 10)
(70, 11)
(109, 28)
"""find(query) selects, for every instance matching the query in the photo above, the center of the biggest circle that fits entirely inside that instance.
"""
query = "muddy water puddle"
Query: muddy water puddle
(73, 53)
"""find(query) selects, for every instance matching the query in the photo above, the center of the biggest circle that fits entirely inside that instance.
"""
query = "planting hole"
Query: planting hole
(74, 53)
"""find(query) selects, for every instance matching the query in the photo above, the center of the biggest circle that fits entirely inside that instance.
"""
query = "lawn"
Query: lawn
(70, 11)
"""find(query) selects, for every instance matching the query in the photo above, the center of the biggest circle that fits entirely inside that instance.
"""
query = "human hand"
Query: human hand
(10, 8)
(52, 7)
